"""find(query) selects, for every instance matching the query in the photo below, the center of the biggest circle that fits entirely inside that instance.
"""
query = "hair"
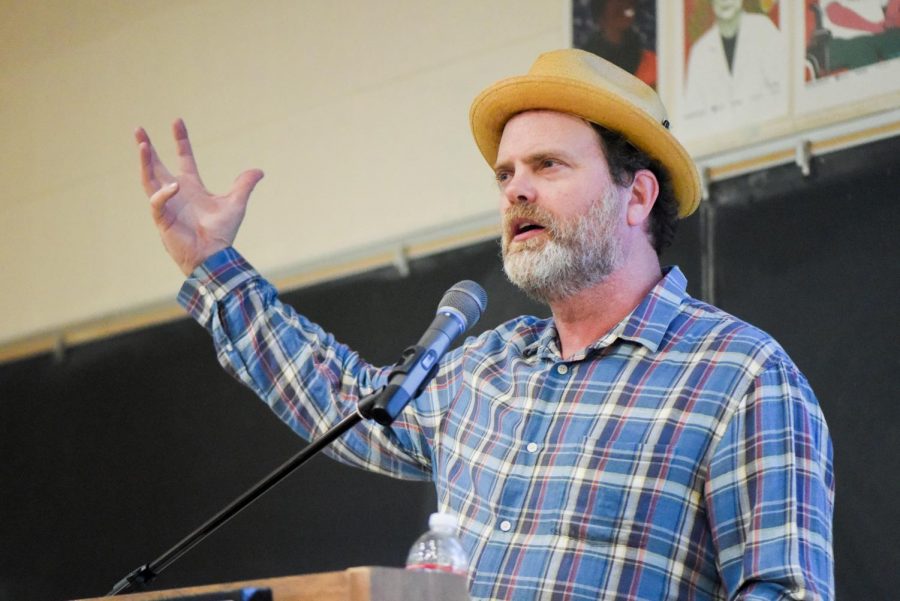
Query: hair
(624, 161)
(597, 8)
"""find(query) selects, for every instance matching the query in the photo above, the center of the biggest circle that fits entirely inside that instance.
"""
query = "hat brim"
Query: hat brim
(499, 103)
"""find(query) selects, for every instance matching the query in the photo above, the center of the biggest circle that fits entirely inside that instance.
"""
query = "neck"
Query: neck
(581, 319)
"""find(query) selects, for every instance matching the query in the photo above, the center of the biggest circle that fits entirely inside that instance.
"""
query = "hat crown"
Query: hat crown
(579, 83)
(584, 68)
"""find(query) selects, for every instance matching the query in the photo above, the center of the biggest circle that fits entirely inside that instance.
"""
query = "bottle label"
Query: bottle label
(435, 567)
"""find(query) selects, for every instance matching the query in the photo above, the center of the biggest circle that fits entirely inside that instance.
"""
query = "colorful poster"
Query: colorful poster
(736, 65)
(621, 31)
(851, 51)
(735, 73)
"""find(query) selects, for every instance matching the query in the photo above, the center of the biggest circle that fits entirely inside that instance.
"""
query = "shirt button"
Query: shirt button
(562, 369)
(505, 526)
(532, 447)
(201, 289)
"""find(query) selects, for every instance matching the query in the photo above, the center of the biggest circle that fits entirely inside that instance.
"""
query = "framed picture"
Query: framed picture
(737, 73)
(621, 31)
(850, 55)
(736, 66)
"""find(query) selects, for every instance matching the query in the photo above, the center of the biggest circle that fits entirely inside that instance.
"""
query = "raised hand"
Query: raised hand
(192, 222)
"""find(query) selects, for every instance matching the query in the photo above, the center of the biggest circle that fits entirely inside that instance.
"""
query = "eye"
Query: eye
(549, 163)
(501, 176)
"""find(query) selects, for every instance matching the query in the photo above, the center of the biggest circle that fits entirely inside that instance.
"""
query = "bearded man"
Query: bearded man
(638, 444)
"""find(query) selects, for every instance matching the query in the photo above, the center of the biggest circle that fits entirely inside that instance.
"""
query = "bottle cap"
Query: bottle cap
(442, 521)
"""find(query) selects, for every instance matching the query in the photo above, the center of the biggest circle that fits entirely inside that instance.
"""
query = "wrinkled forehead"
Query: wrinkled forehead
(539, 128)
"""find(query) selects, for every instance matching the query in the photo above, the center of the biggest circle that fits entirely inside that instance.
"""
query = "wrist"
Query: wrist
(189, 264)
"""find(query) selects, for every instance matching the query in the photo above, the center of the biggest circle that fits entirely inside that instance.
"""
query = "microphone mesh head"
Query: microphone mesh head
(468, 298)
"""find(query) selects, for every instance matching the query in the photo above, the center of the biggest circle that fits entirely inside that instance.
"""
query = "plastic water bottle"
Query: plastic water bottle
(438, 550)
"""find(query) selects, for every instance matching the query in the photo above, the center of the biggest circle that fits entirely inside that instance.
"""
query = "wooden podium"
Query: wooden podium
(353, 584)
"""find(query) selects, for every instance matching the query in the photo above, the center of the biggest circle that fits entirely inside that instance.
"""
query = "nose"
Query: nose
(519, 188)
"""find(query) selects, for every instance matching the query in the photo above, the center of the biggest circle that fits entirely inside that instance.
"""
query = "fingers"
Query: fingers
(140, 135)
(243, 186)
(148, 177)
(157, 180)
(186, 159)
(245, 183)
(158, 202)
(153, 173)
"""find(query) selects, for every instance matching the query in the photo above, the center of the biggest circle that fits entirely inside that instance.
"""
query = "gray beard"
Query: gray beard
(570, 257)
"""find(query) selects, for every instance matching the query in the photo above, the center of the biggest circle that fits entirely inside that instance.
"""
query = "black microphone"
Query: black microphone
(459, 309)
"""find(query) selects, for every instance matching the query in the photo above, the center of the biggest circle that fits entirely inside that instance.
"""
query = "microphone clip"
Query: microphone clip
(386, 405)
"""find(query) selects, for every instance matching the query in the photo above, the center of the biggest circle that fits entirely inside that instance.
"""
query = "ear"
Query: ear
(644, 190)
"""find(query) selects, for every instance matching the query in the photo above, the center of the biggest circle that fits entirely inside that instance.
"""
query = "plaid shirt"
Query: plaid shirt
(681, 456)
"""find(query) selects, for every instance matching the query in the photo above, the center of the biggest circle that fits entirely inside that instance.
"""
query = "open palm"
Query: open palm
(192, 222)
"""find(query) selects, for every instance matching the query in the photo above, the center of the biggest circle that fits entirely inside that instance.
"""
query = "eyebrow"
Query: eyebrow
(534, 158)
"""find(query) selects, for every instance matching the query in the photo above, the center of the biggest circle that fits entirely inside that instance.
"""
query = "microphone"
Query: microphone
(459, 309)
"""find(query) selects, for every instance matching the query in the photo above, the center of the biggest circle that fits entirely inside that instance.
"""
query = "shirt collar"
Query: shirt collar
(647, 324)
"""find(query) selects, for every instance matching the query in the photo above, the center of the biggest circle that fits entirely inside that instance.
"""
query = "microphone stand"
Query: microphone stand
(460, 308)
(147, 572)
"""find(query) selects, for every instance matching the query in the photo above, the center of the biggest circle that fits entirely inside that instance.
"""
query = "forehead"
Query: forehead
(541, 131)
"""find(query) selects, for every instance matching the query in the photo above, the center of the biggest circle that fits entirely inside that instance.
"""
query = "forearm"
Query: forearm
(308, 379)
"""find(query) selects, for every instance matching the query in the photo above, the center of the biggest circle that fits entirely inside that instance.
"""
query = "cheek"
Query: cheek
(574, 201)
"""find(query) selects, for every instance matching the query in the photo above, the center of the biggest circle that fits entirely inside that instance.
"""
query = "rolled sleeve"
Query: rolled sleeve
(211, 282)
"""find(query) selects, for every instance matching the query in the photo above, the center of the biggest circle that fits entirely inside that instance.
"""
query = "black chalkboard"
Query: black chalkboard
(815, 261)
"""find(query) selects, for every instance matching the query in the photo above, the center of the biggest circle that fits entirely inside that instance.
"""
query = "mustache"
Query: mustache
(532, 213)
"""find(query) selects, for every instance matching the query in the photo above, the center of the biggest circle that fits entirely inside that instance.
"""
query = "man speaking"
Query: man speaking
(638, 444)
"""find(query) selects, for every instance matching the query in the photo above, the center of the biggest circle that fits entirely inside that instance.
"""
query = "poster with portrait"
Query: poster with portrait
(850, 54)
(621, 31)
(736, 66)
(736, 73)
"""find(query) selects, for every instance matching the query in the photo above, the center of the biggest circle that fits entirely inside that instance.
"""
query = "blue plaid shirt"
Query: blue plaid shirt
(681, 456)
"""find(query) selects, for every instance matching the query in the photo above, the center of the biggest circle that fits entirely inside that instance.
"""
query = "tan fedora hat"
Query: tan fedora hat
(583, 84)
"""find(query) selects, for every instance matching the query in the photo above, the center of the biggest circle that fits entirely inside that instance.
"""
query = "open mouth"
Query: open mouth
(523, 229)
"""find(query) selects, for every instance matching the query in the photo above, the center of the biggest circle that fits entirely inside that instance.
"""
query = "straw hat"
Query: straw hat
(583, 84)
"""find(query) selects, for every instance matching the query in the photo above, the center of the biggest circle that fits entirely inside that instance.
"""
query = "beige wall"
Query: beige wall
(356, 110)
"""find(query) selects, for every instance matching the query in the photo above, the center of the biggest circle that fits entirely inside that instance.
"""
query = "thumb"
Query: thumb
(159, 199)
(245, 183)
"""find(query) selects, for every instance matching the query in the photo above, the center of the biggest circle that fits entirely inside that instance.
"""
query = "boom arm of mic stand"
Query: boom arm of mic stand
(145, 573)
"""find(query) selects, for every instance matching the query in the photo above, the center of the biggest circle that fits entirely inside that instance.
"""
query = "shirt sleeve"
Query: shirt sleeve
(770, 493)
(307, 378)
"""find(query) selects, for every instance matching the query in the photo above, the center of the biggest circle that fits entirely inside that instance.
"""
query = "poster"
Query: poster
(737, 73)
(621, 31)
(736, 65)
(850, 53)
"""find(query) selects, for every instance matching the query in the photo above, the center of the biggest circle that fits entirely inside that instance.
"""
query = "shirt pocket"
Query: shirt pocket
(623, 491)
